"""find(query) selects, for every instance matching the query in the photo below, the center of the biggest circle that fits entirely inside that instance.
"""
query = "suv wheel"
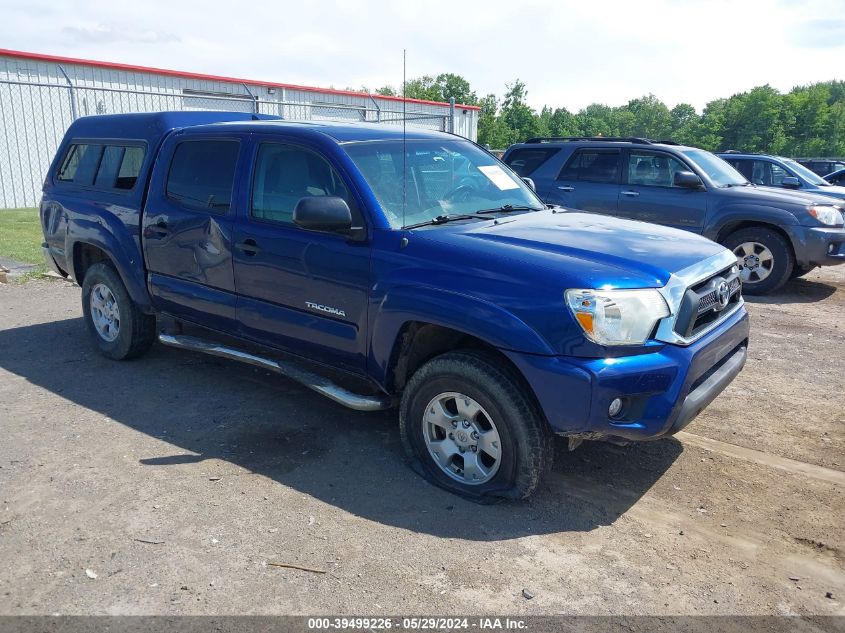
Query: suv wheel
(467, 426)
(120, 329)
(764, 258)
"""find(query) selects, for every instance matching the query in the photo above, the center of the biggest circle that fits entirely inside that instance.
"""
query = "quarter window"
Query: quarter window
(653, 169)
(592, 166)
(202, 174)
(80, 165)
(525, 161)
(284, 174)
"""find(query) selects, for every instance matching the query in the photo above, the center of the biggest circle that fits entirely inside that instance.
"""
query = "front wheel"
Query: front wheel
(764, 258)
(469, 427)
(120, 330)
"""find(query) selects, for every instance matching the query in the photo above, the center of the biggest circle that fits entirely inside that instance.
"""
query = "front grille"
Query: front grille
(706, 301)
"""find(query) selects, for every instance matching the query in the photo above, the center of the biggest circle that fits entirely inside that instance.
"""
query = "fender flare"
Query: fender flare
(751, 214)
(123, 254)
(469, 315)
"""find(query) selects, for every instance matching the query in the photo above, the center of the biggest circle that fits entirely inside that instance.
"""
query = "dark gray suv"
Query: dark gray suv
(775, 234)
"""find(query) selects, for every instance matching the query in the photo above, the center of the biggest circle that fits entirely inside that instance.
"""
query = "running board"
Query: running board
(313, 381)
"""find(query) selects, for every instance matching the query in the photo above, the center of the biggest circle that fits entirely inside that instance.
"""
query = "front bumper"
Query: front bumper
(663, 390)
(818, 246)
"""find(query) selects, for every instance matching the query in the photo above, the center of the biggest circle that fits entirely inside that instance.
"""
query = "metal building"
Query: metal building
(41, 94)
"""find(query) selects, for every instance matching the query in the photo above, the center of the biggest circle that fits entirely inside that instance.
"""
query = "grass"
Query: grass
(20, 236)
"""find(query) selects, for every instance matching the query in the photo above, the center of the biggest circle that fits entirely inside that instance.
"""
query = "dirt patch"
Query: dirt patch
(178, 479)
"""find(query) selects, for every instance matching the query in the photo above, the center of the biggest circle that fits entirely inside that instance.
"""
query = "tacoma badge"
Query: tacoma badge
(326, 309)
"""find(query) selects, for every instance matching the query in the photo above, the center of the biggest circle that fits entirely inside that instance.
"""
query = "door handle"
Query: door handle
(160, 228)
(566, 188)
(632, 194)
(248, 247)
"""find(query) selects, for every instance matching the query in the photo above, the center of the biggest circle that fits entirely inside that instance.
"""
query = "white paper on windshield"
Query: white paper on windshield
(498, 177)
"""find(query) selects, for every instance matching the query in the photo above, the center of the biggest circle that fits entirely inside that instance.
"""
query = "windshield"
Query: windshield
(805, 173)
(720, 172)
(442, 178)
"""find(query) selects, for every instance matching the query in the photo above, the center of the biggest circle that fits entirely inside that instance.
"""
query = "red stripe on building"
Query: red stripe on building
(185, 75)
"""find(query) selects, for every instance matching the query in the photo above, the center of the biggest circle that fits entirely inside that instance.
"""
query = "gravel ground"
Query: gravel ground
(169, 485)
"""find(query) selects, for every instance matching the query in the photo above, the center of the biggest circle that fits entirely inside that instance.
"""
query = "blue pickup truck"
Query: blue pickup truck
(415, 267)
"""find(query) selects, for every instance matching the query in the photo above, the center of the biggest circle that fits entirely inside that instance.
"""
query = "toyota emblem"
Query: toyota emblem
(723, 295)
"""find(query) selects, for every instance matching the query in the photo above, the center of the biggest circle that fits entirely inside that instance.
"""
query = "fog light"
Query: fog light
(615, 407)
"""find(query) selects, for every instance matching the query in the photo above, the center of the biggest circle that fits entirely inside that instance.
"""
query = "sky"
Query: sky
(568, 54)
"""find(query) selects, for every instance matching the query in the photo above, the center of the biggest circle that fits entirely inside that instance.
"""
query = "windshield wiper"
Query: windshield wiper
(507, 208)
(442, 219)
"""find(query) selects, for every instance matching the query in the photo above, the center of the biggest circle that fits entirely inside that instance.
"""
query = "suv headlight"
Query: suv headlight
(826, 214)
(617, 317)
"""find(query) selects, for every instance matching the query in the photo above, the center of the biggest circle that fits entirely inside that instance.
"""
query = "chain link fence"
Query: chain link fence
(36, 115)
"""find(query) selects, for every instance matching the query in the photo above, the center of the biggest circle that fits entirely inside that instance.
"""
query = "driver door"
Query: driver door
(298, 290)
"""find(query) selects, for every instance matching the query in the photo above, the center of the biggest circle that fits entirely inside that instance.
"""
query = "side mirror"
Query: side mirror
(530, 183)
(687, 180)
(790, 182)
(328, 214)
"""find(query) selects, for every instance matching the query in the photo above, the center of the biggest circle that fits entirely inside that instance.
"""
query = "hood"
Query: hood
(834, 191)
(785, 197)
(592, 251)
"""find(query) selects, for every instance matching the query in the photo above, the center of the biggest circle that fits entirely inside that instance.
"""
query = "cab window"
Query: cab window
(284, 174)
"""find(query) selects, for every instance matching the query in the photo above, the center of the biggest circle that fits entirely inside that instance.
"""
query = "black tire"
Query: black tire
(800, 271)
(783, 261)
(527, 450)
(136, 331)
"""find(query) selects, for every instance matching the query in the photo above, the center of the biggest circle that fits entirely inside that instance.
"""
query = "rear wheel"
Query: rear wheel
(764, 258)
(120, 330)
(468, 426)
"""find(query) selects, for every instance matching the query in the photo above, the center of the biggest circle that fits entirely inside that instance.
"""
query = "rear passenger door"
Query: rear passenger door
(650, 195)
(589, 181)
(187, 229)
(298, 290)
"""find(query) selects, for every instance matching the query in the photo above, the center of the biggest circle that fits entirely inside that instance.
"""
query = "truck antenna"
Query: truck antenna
(404, 153)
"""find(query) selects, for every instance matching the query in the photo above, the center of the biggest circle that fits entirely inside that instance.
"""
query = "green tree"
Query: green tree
(808, 120)
(449, 85)
(651, 118)
(598, 120)
(422, 88)
(491, 130)
(520, 120)
(563, 123)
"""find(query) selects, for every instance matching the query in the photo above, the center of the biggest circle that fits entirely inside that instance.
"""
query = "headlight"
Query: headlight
(617, 317)
(826, 214)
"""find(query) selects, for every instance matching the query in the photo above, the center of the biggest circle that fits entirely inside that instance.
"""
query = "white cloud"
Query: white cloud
(568, 53)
